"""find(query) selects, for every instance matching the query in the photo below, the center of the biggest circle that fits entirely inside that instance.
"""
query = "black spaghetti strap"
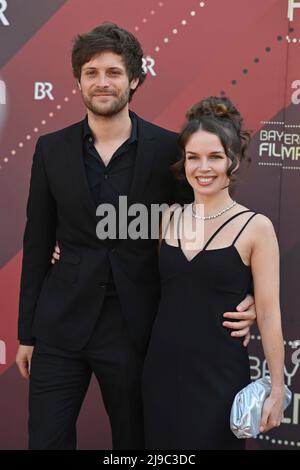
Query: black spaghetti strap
(223, 225)
(244, 226)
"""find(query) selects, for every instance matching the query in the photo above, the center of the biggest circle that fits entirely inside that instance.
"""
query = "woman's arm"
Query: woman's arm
(265, 271)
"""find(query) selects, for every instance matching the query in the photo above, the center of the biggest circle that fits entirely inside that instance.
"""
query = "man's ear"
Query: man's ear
(78, 84)
(134, 83)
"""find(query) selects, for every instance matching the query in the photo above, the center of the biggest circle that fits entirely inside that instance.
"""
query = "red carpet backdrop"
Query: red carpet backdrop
(247, 50)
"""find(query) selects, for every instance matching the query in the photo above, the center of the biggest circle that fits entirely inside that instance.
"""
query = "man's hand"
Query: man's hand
(55, 254)
(246, 314)
(23, 360)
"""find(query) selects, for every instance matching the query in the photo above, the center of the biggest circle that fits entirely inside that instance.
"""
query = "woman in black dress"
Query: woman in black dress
(211, 252)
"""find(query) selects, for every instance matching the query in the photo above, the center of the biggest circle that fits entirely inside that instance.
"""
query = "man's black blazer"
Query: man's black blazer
(60, 304)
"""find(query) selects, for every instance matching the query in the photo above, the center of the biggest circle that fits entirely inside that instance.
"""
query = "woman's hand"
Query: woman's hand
(272, 413)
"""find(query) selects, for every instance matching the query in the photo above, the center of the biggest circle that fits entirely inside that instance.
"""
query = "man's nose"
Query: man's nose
(102, 80)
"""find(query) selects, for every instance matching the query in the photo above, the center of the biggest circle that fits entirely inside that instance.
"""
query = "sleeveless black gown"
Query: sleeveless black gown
(194, 367)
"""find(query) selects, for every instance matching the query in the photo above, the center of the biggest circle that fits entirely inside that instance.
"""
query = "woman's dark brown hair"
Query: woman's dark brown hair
(220, 117)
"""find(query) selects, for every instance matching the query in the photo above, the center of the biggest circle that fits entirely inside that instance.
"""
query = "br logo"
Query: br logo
(148, 65)
(43, 90)
(3, 19)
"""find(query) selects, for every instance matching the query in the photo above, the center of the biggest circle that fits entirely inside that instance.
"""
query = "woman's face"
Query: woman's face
(206, 163)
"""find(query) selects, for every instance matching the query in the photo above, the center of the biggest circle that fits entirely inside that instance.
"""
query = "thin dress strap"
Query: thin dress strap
(244, 226)
(223, 225)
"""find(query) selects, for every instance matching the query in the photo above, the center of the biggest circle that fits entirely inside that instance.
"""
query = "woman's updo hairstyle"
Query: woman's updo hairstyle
(220, 117)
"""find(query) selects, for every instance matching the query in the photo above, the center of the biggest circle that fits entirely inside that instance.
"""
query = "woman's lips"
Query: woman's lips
(205, 180)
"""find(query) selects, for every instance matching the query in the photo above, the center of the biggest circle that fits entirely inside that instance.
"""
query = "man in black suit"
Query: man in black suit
(92, 311)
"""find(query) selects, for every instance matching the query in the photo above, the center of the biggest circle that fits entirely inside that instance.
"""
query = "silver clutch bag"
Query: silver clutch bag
(247, 407)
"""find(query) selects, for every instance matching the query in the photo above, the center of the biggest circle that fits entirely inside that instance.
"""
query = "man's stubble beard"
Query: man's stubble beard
(114, 108)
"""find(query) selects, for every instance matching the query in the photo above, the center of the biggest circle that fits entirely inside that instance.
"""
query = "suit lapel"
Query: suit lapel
(77, 168)
(143, 164)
